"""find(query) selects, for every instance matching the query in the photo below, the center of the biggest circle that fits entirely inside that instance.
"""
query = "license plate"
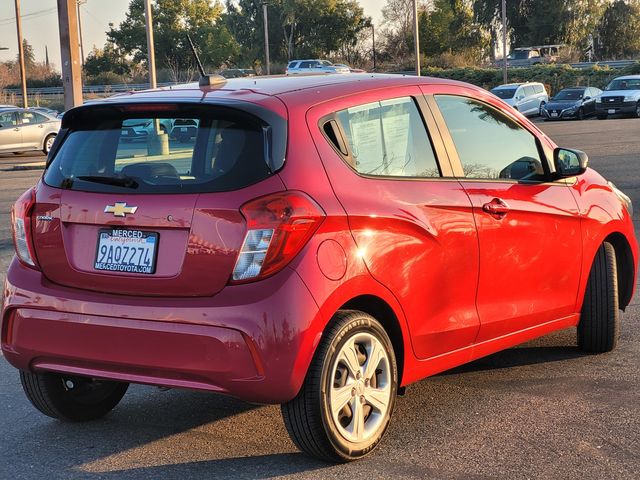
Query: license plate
(554, 114)
(612, 110)
(128, 251)
(184, 129)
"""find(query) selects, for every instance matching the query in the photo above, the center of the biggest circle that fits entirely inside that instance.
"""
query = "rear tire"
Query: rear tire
(637, 112)
(48, 143)
(339, 415)
(600, 317)
(540, 113)
(72, 398)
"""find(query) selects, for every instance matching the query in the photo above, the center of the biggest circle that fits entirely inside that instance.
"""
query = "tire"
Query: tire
(71, 398)
(542, 104)
(580, 114)
(637, 112)
(48, 143)
(600, 317)
(314, 419)
(601, 117)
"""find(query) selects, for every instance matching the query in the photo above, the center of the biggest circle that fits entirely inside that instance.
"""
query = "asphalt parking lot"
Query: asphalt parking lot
(542, 410)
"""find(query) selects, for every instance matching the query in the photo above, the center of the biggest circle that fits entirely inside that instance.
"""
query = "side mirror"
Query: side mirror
(519, 97)
(586, 98)
(569, 163)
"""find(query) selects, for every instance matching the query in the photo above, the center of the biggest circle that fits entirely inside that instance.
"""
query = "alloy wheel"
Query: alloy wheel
(360, 393)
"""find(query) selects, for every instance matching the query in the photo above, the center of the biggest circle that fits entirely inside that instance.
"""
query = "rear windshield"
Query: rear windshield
(504, 93)
(162, 153)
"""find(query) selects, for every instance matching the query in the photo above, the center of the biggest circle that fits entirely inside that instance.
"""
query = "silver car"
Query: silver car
(527, 98)
(26, 130)
(297, 67)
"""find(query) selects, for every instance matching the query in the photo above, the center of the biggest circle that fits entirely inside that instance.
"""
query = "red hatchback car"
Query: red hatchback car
(317, 242)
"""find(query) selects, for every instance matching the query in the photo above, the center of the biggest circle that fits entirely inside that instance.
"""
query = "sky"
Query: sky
(40, 24)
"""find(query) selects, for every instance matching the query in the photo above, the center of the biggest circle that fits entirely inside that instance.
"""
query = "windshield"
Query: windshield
(519, 55)
(620, 84)
(504, 93)
(140, 153)
(569, 95)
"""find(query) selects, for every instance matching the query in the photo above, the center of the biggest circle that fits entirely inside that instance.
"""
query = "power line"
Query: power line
(28, 16)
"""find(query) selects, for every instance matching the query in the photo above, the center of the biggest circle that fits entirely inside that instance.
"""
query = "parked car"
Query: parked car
(297, 67)
(622, 95)
(527, 98)
(238, 72)
(139, 129)
(321, 245)
(25, 130)
(574, 102)
(534, 55)
(351, 70)
(47, 111)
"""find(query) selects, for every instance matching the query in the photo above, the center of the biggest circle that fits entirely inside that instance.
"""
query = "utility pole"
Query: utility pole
(148, 16)
(504, 41)
(69, 51)
(373, 37)
(23, 73)
(81, 2)
(415, 35)
(266, 37)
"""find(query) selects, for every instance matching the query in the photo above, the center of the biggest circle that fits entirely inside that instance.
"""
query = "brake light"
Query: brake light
(21, 223)
(278, 226)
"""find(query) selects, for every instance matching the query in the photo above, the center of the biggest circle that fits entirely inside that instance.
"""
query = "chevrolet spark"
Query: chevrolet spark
(316, 242)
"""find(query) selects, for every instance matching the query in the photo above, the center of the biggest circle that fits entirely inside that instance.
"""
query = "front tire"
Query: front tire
(600, 317)
(580, 114)
(72, 398)
(346, 401)
(540, 108)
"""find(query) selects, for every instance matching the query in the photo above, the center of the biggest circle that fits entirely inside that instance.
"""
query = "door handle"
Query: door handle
(40, 126)
(496, 207)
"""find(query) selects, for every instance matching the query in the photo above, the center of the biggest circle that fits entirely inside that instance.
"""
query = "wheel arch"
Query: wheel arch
(625, 267)
(384, 313)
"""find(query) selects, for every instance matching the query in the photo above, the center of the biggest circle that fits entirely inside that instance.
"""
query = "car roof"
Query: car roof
(628, 77)
(276, 85)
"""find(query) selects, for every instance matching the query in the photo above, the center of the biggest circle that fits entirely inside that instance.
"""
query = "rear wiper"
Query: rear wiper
(122, 181)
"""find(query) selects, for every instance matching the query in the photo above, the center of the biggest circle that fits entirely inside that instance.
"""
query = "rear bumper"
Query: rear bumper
(253, 342)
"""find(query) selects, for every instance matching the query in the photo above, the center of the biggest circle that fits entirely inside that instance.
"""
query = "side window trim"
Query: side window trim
(453, 152)
(428, 123)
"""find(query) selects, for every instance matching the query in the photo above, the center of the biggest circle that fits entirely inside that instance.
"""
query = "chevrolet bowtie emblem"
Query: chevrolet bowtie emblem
(119, 209)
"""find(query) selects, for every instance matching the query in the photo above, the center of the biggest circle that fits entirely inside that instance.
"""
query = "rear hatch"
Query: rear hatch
(158, 217)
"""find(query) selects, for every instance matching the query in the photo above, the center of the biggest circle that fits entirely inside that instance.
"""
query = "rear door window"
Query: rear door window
(389, 138)
(140, 153)
(529, 91)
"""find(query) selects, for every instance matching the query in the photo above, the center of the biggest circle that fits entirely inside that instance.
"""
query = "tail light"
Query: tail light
(21, 223)
(278, 226)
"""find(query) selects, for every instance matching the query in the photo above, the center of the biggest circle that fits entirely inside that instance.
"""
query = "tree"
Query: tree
(618, 30)
(29, 55)
(297, 28)
(108, 59)
(173, 19)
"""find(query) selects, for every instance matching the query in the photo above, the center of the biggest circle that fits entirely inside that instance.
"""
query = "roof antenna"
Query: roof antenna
(206, 80)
